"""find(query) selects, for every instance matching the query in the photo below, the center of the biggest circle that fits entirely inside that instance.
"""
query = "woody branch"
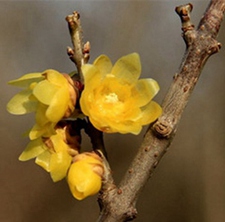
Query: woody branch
(118, 203)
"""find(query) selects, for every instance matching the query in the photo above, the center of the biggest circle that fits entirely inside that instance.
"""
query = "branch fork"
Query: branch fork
(200, 45)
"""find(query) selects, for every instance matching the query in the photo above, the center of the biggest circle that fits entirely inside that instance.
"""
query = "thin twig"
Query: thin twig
(79, 54)
(119, 204)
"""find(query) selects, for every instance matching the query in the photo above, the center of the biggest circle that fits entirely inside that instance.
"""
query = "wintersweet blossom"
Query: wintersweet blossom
(85, 175)
(49, 94)
(115, 99)
(52, 154)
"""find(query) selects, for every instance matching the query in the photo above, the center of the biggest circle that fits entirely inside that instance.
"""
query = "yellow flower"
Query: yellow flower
(115, 99)
(52, 154)
(85, 175)
(50, 94)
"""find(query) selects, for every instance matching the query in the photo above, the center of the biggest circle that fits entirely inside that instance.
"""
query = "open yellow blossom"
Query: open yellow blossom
(52, 154)
(115, 99)
(49, 94)
(85, 175)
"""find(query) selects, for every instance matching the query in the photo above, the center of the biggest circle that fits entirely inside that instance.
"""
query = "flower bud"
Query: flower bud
(85, 175)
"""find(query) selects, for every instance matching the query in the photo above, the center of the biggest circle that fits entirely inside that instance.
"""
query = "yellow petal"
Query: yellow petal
(92, 75)
(58, 106)
(88, 157)
(58, 143)
(129, 127)
(21, 104)
(26, 80)
(40, 116)
(60, 159)
(44, 91)
(33, 149)
(103, 64)
(46, 131)
(55, 77)
(150, 113)
(43, 160)
(144, 91)
(122, 127)
(59, 165)
(36, 132)
(128, 68)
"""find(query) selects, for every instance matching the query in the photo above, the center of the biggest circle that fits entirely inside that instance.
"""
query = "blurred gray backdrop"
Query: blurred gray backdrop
(189, 183)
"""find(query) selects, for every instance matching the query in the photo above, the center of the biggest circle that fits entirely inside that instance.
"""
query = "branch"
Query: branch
(118, 204)
(80, 53)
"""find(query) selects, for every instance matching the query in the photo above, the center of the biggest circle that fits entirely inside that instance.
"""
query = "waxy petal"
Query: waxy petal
(58, 106)
(43, 160)
(128, 68)
(150, 112)
(21, 103)
(91, 75)
(33, 149)
(104, 64)
(27, 79)
(44, 91)
(55, 77)
(58, 143)
(146, 90)
(59, 165)
(40, 116)
(46, 131)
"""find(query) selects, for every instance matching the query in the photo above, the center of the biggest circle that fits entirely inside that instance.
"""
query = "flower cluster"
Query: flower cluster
(115, 99)
(52, 96)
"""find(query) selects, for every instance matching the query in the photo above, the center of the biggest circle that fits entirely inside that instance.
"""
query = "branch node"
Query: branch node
(214, 48)
(163, 128)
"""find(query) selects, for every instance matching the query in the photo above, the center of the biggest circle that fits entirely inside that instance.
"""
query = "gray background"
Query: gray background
(189, 183)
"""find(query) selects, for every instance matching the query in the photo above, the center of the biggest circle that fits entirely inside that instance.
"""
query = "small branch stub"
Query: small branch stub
(184, 12)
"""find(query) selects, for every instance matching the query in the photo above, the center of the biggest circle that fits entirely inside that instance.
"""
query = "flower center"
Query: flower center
(111, 98)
